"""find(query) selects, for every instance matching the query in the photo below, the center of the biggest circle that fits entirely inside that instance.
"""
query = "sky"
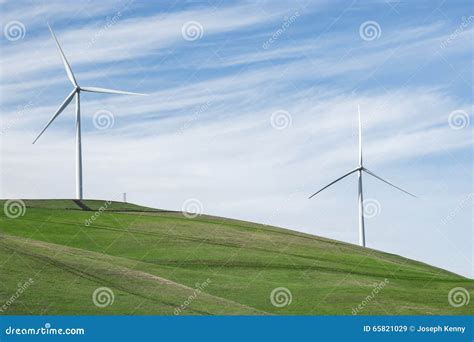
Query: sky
(252, 107)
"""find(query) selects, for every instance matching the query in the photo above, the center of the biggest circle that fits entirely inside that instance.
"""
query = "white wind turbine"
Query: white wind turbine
(76, 92)
(359, 170)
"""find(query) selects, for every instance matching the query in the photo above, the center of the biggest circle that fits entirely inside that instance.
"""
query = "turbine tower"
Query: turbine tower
(76, 93)
(359, 170)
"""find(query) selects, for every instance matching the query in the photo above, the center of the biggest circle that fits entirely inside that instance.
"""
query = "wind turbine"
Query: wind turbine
(359, 171)
(76, 93)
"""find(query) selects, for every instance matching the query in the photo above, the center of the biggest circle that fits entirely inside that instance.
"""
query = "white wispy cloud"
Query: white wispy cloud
(205, 129)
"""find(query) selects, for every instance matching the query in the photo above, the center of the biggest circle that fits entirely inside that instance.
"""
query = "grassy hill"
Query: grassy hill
(160, 262)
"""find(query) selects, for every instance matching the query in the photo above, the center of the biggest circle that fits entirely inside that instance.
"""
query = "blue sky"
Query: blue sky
(252, 107)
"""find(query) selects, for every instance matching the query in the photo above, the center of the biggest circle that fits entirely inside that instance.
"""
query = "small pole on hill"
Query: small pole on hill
(125, 197)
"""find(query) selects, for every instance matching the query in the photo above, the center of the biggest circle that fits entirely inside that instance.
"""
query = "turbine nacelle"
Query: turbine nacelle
(360, 169)
(77, 89)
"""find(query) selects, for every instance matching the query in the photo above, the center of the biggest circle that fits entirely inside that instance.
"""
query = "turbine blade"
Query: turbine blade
(337, 180)
(60, 109)
(383, 180)
(69, 73)
(109, 91)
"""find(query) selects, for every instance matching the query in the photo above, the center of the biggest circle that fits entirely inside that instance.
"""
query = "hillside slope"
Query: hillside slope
(140, 260)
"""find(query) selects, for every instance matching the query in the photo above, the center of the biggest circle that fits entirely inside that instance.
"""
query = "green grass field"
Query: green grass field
(153, 261)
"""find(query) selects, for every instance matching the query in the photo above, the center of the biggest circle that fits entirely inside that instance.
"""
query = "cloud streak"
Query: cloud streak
(205, 130)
